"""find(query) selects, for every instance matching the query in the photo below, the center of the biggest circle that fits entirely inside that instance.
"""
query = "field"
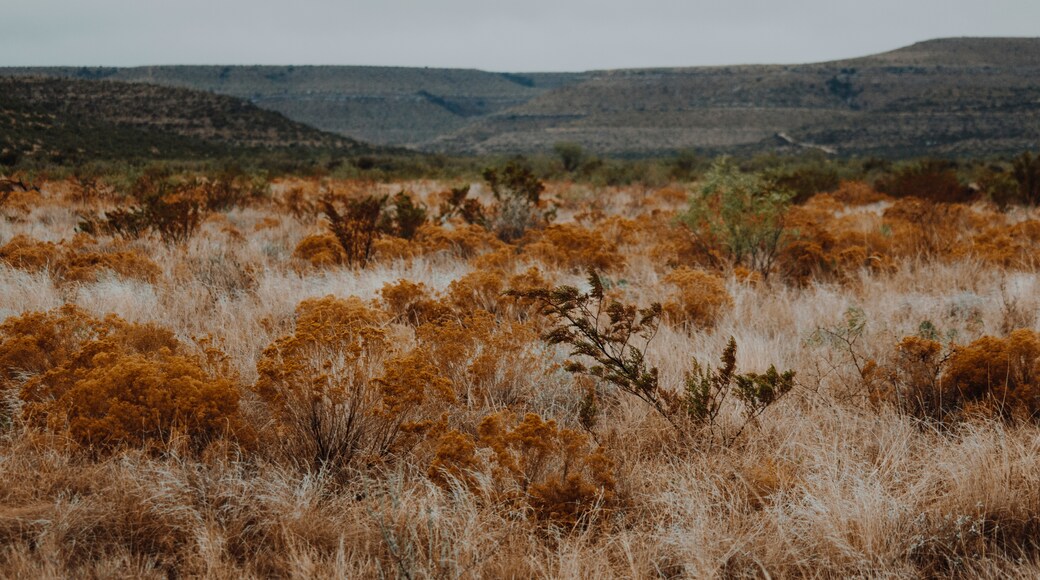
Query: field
(306, 377)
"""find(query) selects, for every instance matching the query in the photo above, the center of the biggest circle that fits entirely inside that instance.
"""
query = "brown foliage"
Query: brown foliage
(111, 383)
(552, 470)
(700, 298)
(575, 248)
(491, 364)
(997, 375)
(412, 303)
(320, 250)
(337, 393)
(26, 253)
(75, 262)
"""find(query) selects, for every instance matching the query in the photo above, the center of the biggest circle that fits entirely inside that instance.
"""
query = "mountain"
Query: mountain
(954, 96)
(61, 118)
(380, 105)
(951, 96)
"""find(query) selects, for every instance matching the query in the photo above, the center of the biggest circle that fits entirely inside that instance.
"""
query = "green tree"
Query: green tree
(739, 217)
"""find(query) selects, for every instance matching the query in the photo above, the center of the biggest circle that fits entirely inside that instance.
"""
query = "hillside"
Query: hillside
(381, 105)
(955, 96)
(961, 96)
(57, 119)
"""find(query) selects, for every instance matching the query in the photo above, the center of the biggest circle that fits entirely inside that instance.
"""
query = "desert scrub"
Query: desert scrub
(490, 363)
(738, 218)
(75, 261)
(109, 383)
(699, 299)
(615, 337)
(337, 392)
(575, 248)
(357, 228)
(553, 473)
(518, 206)
(997, 376)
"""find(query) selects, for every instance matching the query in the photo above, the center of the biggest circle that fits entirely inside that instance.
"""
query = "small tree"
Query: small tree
(518, 195)
(738, 217)
(571, 155)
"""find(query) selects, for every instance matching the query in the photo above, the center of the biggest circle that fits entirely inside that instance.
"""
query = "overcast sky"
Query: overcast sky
(533, 35)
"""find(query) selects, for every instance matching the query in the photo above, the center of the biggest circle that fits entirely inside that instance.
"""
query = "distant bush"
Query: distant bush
(174, 217)
(518, 206)
(1026, 171)
(931, 180)
(355, 226)
(571, 155)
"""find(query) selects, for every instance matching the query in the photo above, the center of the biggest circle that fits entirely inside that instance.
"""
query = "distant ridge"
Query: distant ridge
(961, 96)
(59, 118)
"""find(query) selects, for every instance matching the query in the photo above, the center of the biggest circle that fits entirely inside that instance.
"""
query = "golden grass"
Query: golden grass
(828, 483)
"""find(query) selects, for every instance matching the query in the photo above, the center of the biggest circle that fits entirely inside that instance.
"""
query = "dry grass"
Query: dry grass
(829, 483)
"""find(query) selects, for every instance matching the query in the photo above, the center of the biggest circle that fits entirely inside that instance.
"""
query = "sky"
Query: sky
(534, 35)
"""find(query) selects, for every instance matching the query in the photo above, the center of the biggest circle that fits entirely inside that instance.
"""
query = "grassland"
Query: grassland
(228, 390)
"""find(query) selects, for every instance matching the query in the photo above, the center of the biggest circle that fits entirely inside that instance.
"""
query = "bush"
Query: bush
(489, 364)
(111, 383)
(518, 205)
(1026, 171)
(356, 227)
(25, 253)
(575, 248)
(700, 299)
(73, 265)
(739, 217)
(359, 226)
(997, 375)
(534, 463)
(616, 336)
(175, 217)
(330, 403)
(931, 180)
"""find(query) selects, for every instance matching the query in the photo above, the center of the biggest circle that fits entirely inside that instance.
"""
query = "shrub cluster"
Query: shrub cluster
(109, 383)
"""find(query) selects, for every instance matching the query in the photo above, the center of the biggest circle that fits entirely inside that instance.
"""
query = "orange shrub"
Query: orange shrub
(320, 250)
(411, 303)
(1000, 375)
(335, 397)
(1007, 246)
(489, 363)
(480, 289)
(910, 381)
(111, 383)
(700, 298)
(69, 260)
(25, 253)
(533, 462)
(575, 248)
(463, 240)
(88, 267)
(36, 342)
